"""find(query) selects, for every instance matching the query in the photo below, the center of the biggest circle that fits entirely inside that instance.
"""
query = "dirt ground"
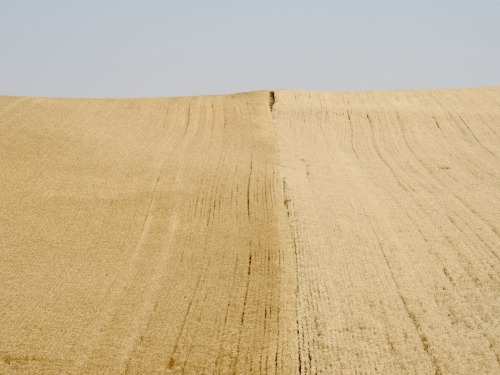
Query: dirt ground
(286, 232)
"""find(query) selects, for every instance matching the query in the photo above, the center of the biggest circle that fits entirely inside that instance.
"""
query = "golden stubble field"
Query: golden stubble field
(290, 232)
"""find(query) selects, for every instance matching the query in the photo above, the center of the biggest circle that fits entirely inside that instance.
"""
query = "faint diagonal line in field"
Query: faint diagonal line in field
(295, 237)
(418, 328)
(111, 303)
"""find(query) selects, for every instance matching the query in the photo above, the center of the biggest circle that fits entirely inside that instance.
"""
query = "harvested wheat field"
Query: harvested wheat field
(285, 232)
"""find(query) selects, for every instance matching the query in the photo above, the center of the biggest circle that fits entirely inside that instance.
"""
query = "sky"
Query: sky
(162, 48)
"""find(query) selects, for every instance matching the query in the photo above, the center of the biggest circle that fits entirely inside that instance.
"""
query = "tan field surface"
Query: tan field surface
(286, 232)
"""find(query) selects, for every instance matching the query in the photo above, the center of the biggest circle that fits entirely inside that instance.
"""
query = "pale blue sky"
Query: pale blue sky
(172, 48)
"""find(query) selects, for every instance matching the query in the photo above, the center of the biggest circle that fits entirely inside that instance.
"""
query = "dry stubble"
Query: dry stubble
(306, 233)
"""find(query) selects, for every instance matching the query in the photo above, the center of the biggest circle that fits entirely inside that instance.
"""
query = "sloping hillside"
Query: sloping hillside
(281, 232)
